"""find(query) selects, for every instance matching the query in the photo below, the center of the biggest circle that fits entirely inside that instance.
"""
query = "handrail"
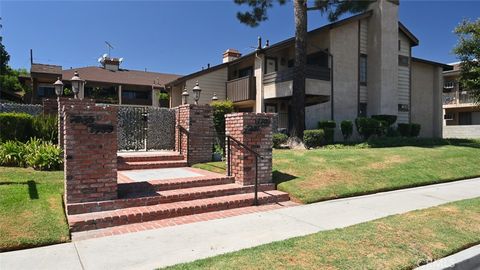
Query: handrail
(257, 156)
(182, 130)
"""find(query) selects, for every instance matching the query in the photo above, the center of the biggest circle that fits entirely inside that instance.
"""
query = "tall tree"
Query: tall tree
(468, 51)
(332, 8)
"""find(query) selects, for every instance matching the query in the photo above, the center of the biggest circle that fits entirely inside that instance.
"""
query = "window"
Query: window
(403, 108)
(128, 94)
(271, 65)
(270, 108)
(363, 69)
(318, 59)
(245, 72)
(449, 116)
(45, 91)
(399, 45)
(403, 61)
(362, 110)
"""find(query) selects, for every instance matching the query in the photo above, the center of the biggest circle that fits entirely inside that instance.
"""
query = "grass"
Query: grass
(31, 208)
(323, 174)
(396, 242)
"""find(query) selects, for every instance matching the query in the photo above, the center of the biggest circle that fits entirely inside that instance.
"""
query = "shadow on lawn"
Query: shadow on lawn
(417, 142)
(32, 188)
(280, 177)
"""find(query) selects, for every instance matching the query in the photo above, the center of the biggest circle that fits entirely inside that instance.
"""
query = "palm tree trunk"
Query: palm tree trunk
(298, 96)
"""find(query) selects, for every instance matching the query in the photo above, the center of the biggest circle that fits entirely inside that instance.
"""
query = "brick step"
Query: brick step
(142, 165)
(139, 157)
(98, 220)
(170, 184)
(168, 196)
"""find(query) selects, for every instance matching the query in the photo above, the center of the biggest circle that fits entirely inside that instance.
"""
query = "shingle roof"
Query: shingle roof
(44, 68)
(122, 76)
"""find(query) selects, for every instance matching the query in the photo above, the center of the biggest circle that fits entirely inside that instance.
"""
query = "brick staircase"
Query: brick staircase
(158, 199)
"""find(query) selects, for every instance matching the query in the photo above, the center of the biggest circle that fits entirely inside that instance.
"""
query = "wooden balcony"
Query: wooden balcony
(241, 89)
(312, 72)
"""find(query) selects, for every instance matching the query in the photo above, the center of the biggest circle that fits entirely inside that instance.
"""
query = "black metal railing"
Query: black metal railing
(229, 162)
(181, 131)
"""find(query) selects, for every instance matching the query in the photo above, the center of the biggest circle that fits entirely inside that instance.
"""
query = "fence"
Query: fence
(31, 109)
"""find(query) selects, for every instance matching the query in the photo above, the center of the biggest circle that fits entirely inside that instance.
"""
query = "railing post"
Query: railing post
(229, 162)
(255, 200)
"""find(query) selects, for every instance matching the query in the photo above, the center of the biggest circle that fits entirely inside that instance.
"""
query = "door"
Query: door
(132, 128)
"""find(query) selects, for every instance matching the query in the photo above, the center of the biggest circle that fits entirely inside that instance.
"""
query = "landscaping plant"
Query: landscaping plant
(279, 139)
(35, 153)
(13, 153)
(15, 126)
(313, 138)
(367, 127)
(220, 109)
(347, 129)
(329, 128)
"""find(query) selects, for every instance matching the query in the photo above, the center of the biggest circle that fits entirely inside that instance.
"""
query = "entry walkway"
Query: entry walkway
(171, 245)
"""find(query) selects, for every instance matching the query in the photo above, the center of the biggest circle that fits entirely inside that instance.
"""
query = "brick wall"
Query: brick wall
(61, 103)
(90, 151)
(198, 120)
(255, 131)
(50, 106)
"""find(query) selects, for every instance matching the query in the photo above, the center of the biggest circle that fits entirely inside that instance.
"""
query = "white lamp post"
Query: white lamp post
(58, 87)
(196, 93)
(185, 96)
(77, 84)
(214, 98)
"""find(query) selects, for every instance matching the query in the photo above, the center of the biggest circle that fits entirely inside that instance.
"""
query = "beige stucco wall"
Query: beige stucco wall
(426, 106)
(285, 89)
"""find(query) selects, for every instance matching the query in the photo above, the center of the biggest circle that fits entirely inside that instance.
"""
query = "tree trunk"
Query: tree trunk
(298, 96)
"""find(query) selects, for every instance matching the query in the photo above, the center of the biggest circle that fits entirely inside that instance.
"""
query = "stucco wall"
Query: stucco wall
(464, 132)
(426, 99)
(285, 89)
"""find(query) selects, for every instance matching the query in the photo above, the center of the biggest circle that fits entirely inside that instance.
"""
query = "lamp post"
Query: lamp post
(77, 84)
(214, 98)
(196, 93)
(185, 96)
(58, 87)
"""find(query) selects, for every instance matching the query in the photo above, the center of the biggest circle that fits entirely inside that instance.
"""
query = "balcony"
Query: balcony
(458, 98)
(312, 72)
(241, 89)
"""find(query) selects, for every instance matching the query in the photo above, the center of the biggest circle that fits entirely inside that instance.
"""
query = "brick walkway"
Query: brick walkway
(137, 227)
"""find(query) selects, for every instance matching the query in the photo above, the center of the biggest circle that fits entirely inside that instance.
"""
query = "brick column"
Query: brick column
(198, 120)
(255, 131)
(50, 106)
(90, 152)
(62, 102)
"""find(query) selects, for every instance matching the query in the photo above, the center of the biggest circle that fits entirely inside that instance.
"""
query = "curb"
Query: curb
(468, 259)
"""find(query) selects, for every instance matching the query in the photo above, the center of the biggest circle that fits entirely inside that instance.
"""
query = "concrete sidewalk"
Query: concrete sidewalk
(172, 245)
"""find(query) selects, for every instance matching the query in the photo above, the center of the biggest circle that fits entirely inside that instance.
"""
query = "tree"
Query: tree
(468, 51)
(332, 8)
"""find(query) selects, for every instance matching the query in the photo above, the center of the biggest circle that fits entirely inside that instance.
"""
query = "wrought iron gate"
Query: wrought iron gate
(132, 127)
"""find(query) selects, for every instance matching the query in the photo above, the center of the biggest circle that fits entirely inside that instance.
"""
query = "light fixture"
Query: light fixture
(196, 93)
(214, 98)
(58, 87)
(185, 96)
(77, 84)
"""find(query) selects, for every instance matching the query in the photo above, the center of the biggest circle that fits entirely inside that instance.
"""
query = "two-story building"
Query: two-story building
(358, 66)
(461, 114)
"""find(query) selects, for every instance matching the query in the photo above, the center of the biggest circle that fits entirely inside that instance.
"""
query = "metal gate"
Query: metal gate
(132, 128)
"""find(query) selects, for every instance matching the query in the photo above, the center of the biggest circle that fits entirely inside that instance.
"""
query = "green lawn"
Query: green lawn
(396, 242)
(31, 211)
(323, 174)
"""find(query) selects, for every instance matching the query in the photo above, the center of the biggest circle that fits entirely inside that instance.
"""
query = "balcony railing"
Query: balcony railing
(312, 72)
(449, 85)
(456, 98)
(465, 97)
(241, 89)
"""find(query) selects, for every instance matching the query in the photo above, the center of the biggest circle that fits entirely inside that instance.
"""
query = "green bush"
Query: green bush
(392, 132)
(415, 130)
(43, 155)
(279, 139)
(347, 129)
(327, 124)
(220, 108)
(389, 119)
(404, 129)
(15, 126)
(45, 127)
(367, 127)
(313, 138)
(329, 135)
(13, 153)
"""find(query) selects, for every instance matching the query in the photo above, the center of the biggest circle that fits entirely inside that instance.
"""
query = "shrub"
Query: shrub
(367, 127)
(15, 126)
(43, 155)
(404, 129)
(279, 139)
(327, 124)
(415, 130)
(347, 129)
(313, 138)
(13, 153)
(390, 119)
(220, 108)
(392, 132)
(45, 127)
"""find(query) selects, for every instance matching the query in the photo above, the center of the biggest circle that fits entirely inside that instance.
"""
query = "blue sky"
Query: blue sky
(182, 36)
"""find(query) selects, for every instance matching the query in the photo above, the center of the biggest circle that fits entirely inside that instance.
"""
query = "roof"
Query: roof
(444, 66)
(44, 68)
(412, 37)
(122, 76)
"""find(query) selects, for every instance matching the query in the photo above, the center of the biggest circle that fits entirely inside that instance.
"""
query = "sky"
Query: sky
(181, 37)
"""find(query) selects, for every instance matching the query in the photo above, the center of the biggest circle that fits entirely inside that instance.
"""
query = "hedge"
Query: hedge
(347, 129)
(21, 127)
(313, 138)
(220, 108)
(279, 139)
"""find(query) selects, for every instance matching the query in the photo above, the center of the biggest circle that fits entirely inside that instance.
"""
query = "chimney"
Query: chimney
(230, 55)
(110, 63)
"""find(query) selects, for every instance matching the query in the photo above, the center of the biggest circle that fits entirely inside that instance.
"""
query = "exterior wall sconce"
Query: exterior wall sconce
(214, 98)
(58, 87)
(77, 84)
(185, 96)
(196, 93)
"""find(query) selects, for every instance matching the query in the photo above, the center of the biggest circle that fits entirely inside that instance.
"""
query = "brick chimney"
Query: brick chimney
(230, 55)
(110, 63)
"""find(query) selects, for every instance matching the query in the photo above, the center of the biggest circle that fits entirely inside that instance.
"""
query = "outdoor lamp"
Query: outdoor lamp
(196, 93)
(214, 98)
(185, 95)
(58, 87)
(77, 84)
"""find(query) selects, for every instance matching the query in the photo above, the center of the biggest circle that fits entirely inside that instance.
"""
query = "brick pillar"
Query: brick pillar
(50, 106)
(255, 131)
(90, 152)
(62, 102)
(198, 120)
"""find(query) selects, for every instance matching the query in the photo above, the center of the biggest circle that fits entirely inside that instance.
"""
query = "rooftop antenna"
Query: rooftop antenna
(109, 46)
